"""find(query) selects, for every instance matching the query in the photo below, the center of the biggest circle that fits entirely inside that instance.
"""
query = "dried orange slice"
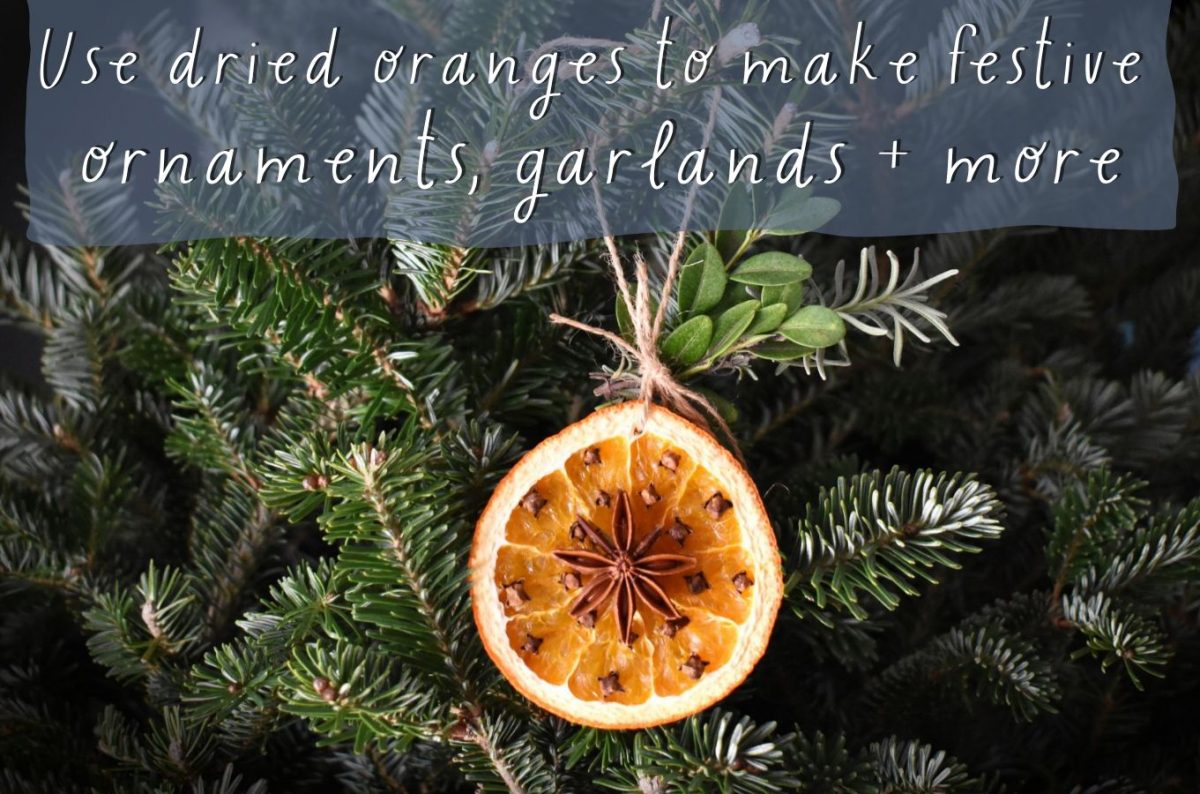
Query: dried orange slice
(623, 579)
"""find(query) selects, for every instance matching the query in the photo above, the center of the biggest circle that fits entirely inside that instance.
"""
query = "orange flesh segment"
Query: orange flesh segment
(596, 485)
(656, 664)
(538, 573)
(547, 530)
(707, 636)
(648, 472)
(607, 655)
(560, 650)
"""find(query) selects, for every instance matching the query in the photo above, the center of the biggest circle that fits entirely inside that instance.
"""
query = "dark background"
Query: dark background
(18, 351)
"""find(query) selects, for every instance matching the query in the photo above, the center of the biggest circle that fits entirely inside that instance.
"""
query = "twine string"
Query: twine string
(654, 378)
(656, 381)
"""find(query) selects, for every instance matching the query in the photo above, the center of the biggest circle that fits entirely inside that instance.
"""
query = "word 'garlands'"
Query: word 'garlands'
(626, 575)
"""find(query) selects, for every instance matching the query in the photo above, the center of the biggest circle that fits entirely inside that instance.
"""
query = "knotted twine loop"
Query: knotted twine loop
(655, 379)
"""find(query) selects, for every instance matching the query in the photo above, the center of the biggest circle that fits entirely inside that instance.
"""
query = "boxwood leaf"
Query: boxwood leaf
(791, 295)
(624, 321)
(768, 319)
(687, 343)
(782, 351)
(801, 217)
(702, 280)
(814, 326)
(731, 325)
(738, 214)
(772, 269)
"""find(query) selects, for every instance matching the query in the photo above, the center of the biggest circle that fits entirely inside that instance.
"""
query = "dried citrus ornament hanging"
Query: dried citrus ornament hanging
(625, 574)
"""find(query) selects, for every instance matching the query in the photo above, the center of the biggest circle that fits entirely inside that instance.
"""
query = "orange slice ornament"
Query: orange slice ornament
(622, 579)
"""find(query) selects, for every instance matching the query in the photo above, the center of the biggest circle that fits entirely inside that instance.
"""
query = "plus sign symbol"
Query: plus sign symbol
(895, 153)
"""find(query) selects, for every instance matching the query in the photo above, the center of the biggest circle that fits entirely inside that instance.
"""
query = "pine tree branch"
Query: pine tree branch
(1087, 518)
(368, 462)
(479, 736)
(360, 335)
(874, 535)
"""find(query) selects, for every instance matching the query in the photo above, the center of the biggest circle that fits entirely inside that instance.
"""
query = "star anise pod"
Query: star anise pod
(623, 571)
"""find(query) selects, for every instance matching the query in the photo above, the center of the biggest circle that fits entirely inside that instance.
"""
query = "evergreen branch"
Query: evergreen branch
(356, 331)
(381, 497)
(169, 611)
(592, 749)
(120, 740)
(307, 599)
(106, 504)
(236, 686)
(302, 296)
(296, 477)
(175, 749)
(210, 429)
(239, 685)
(1088, 520)
(398, 527)
(1117, 637)
(117, 642)
(229, 783)
(1163, 554)
(75, 213)
(825, 765)
(493, 753)
(349, 692)
(875, 535)
(714, 752)
(231, 534)
(76, 357)
(135, 639)
(436, 273)
(1024, 304)
(31, 551)
(31, 293)
(1058, 454)
(450, 280)
(893, 307)
(912, 767)
(35, 445)
(1140, 422)
(997, 665)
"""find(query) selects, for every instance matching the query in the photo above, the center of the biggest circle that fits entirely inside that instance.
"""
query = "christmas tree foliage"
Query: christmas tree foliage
(235, 514)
